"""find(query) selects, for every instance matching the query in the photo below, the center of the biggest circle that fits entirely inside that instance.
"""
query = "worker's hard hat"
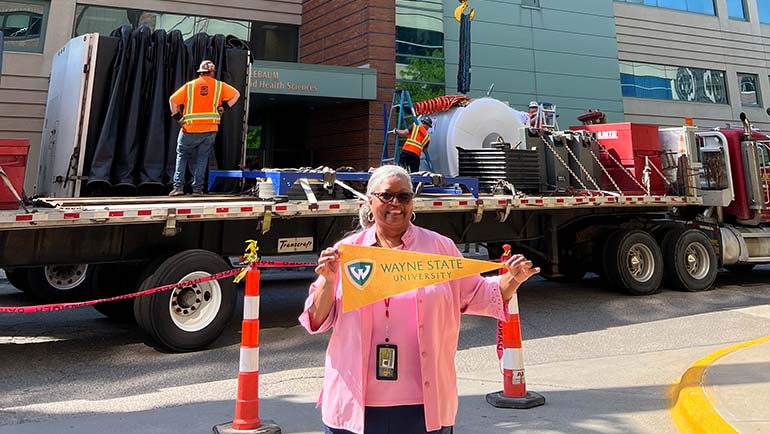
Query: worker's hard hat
(533, 104)
(207, 66)
(427, 121)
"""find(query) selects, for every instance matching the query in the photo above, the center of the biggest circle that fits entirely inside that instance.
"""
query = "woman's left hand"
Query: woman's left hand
(519, 270)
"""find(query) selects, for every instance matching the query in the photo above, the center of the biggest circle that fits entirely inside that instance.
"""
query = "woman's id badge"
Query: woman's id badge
(387, 362)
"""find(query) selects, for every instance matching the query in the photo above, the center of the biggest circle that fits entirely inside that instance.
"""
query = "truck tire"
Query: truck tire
(689, 260)
(632, 261)
(61, 283)
(18, 278)
(735, 268)
(186, 319)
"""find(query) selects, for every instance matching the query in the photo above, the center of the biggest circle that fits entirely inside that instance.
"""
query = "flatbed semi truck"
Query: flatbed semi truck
(707, 210)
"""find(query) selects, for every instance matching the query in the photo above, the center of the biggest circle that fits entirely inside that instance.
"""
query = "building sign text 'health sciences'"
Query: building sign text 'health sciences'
(271, 80)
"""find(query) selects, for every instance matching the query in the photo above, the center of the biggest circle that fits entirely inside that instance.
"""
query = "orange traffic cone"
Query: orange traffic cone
(247, 401)
(514, 393)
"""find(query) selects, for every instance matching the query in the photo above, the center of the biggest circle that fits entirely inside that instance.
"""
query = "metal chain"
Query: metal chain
(628, 172)
(588, 174)
(662, 176)
(561, 160)
(604, 169)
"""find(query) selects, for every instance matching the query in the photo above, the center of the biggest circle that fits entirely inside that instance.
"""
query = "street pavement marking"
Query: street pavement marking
(23, 340)
(691, 407)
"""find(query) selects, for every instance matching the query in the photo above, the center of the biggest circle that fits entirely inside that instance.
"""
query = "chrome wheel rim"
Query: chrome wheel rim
(640, 262)
(697, 261)
(195, 307)
(65, 277)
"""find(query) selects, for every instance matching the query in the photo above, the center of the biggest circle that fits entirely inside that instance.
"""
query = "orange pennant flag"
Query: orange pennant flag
(371, 274)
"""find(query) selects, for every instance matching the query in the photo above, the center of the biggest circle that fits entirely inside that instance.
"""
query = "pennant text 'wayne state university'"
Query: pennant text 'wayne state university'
(371, 274)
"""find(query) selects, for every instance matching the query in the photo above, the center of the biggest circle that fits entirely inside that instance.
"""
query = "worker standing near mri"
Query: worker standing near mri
(198, 107)
(417, 141)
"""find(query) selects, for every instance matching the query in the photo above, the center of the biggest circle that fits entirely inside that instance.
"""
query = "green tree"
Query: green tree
(424, 77)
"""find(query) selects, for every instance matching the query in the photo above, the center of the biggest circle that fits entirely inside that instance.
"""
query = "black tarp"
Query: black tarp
(99, 178)
(153, 151)
(178, 72)
(135, 151)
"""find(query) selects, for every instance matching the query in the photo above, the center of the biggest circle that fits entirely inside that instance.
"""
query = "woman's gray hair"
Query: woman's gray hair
(378, 176)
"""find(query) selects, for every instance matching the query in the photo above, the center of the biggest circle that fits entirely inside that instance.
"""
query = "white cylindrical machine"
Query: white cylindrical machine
(474, 126)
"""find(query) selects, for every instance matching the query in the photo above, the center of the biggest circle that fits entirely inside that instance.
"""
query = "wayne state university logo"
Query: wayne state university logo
(359, 272)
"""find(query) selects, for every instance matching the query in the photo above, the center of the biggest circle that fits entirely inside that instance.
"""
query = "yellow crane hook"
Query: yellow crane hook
(459, 10)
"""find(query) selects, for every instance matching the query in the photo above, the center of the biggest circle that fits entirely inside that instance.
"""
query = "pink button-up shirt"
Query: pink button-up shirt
(438, 326)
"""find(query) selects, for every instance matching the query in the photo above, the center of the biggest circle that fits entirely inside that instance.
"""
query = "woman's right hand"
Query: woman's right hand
(328, 264)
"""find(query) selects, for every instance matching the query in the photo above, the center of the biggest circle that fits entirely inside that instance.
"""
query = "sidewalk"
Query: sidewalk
(727, 391)
(589, 395)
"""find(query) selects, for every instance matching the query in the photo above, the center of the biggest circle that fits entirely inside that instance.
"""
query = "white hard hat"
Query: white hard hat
(206, 66)
(533, 104)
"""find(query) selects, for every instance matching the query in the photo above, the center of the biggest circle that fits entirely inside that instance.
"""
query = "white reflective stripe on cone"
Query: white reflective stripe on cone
(513, 305)
(249, 359)
(513, 358)
(251, 307)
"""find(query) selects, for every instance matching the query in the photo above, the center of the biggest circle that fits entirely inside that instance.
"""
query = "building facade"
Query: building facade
(703, 59)
(325, 72)
(563, 52)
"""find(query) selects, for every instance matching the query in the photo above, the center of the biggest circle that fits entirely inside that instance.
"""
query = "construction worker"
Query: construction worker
(198, 107)
(533, 108)
(417, 140)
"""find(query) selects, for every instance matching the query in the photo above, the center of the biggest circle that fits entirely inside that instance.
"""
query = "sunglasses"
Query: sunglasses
(386, 197)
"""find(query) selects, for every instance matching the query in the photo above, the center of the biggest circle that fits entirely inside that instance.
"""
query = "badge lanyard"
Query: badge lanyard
(387, 353)
(387, 320)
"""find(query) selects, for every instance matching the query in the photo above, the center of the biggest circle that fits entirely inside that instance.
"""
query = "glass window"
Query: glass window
(267, 41)
(763, 6)
(103, 20)
(736, 9)
(676, 83)
(420, 48)
(749, 87)
(697, 6)
(23, 23)
(276, 42)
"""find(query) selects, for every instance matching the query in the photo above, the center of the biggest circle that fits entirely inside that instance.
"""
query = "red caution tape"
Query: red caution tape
(218, 276)
(64, 306)
(283, 264)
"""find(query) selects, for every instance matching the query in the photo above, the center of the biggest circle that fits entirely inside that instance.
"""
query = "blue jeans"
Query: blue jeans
(193, 149)
(402, 419)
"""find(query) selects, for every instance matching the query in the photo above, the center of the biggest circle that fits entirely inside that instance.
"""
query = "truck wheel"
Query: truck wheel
(59, 283)
(735, 268)
(18, 278)
(690, 263)
(191, 318)
(633, 261)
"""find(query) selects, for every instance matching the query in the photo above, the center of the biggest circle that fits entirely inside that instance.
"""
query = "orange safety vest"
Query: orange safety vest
(417, 140)
(202, 103)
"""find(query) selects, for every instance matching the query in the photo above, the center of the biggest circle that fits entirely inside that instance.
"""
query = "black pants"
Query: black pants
(402, 419)
(409, 161)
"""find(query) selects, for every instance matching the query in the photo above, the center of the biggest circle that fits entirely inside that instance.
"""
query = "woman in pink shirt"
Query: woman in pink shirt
(390, 366)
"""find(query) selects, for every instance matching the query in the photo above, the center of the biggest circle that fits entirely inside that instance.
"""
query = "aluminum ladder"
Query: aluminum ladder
(403, 108)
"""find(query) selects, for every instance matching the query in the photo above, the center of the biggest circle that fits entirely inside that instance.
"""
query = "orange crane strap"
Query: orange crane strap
(440, 104)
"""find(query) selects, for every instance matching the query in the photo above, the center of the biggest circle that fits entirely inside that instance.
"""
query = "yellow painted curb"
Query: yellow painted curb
(691, 407)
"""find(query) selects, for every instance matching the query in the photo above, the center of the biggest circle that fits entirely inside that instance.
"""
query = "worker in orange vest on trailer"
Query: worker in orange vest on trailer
(198, 107)
(417, 140)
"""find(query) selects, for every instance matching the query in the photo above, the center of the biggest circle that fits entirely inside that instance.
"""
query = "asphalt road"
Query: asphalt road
(75, 370)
